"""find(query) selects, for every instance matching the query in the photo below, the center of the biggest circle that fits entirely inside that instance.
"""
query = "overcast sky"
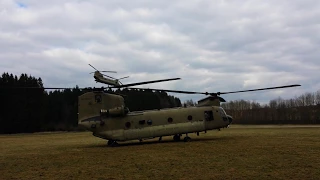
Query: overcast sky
(212, 45)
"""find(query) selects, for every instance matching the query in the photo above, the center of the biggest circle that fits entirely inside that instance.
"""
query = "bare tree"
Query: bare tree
(301, 100)
(317, 97)
(273, 104)
(309, 99)
(190, 103)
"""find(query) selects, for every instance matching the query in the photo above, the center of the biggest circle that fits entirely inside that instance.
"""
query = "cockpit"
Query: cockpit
(223, 114)
(225, 117)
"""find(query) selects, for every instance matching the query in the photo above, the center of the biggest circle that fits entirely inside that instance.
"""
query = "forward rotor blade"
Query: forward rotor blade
(146, 82)
(261, 89)
(38, 88)
(109, 71)
(58, 88)
(93, 67)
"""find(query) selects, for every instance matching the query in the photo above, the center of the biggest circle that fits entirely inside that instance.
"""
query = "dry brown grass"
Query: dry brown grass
(234, 153)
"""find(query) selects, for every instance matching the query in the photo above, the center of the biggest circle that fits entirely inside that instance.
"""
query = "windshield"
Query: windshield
(223, 114)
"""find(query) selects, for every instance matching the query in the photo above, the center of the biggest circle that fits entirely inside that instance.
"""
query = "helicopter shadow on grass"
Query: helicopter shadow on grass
(166, 141)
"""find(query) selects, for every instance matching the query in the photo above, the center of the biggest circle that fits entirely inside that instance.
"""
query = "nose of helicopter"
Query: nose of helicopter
(230, 119)
(83, 125)
(87, 125)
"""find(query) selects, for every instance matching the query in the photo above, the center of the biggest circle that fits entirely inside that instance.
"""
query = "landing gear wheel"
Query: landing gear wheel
(187, 139)
(176, 137)
(112, 143)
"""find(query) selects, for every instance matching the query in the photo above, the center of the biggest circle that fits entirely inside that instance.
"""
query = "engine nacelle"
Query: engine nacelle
(114, 112)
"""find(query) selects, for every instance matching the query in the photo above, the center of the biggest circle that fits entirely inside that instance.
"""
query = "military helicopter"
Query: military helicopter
(99, 77)
(115, 83)
(107, 116)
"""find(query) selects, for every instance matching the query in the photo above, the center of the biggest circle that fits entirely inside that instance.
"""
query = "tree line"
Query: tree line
(34, 109)
(304, 109)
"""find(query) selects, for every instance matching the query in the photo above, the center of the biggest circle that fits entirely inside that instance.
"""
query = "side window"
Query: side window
(208, 115)
(98, 98)
(128, 124)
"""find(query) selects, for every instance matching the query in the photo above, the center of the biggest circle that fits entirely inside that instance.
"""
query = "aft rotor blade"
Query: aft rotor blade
(108, 76)
(261, 89)
(123, 77)
(214, 94)
(174, 91)
(93, 67)
(145, 82)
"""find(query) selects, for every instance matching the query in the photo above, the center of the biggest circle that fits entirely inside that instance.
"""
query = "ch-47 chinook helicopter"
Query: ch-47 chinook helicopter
(115, 83)
(107, 116)
(99, 77)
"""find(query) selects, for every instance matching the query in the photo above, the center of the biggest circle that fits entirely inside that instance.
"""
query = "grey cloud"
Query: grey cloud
(212, 46)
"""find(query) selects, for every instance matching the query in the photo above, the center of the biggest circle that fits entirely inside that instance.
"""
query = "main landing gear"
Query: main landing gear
(185, 139)
(112, 143)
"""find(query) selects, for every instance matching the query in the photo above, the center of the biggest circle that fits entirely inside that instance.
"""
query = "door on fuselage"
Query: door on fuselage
(208, 119)
(208, 115)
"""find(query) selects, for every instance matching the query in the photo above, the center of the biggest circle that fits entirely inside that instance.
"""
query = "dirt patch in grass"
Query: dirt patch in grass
(234, 153)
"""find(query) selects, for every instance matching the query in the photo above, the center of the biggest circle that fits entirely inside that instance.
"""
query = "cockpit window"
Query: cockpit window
(208, 115)
(223, 114)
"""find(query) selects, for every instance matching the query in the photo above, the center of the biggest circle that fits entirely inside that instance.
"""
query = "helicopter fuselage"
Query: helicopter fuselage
(157, 123)
(105, 115)
(100, 78)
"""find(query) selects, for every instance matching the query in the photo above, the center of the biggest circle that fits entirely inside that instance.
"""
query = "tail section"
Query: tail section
(90, 104)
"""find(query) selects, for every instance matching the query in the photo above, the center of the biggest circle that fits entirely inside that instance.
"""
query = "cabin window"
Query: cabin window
(208, 115)
(189, 117)
(97, 98)
(170, 120)
(128, 124)
(102, 123)
(142, 122)
(149, 122)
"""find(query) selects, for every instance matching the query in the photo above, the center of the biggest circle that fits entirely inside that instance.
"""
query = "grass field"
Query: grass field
(240, 152)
